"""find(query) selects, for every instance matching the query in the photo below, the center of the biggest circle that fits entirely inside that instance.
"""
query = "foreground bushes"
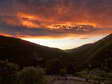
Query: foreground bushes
(31, 75)
(97, 76)
(11, 74)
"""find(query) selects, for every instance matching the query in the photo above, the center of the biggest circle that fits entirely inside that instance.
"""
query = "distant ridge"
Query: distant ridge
(98, 54)
(26, 53)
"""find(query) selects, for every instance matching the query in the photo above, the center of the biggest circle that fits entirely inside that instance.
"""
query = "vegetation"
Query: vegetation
(19, 61)
(96, 75)
(31, 75)
(10, 73)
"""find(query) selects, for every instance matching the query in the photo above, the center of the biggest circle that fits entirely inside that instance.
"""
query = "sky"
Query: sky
(63, 24)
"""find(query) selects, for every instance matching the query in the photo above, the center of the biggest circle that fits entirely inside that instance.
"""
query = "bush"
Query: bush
(31, 75)
(8, 72)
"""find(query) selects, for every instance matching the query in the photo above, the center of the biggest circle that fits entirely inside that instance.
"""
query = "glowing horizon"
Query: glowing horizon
(66, 43)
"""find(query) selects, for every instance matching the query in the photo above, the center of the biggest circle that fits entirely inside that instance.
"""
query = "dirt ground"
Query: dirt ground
(67, 81)
(70, 82)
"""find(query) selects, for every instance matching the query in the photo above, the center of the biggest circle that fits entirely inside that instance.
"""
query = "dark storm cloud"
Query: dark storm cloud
(65, 9)
(57, 11)
(23, 31)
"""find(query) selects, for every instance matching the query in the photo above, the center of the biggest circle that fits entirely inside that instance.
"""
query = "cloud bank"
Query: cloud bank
(39, 18)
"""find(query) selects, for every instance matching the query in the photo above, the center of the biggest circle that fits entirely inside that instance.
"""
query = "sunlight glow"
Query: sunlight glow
(65, 43)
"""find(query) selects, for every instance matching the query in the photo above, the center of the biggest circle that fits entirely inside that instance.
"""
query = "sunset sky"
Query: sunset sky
(62, 24)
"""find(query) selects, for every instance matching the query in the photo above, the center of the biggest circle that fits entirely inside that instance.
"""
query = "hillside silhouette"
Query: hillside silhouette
(95, 55)
(24, 53)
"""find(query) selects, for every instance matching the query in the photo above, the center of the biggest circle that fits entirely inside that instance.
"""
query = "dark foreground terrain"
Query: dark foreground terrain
(23, 62)
(73, 80)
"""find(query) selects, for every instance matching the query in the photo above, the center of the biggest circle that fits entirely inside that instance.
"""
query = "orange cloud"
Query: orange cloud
(35, 21)
(56, 18)
(29, 24)
(26, 16)
(3, 34)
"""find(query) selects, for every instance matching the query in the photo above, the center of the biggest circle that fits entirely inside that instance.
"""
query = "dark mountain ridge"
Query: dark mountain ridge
(98, 54)
(26, 53)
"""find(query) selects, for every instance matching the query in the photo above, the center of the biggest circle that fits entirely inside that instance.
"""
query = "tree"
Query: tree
(31, 75)
(8, 72)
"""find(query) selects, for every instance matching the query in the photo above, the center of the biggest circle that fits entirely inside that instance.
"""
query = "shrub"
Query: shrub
(31, 75)
(8, 72)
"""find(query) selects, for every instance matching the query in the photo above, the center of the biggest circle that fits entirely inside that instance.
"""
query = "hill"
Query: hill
(96, 55)
(25, 53)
